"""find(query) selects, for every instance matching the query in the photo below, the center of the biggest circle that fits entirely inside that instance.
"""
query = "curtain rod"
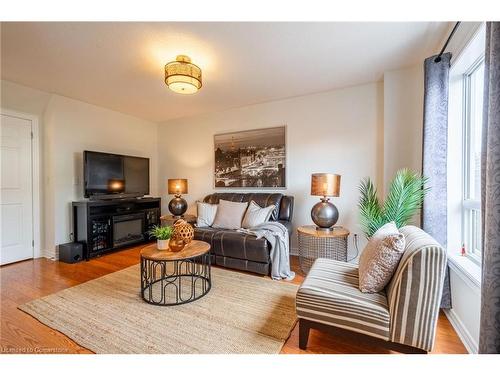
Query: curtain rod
(438, 58)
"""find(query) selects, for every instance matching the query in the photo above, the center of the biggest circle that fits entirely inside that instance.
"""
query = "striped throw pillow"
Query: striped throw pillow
(256, 215)
(206, 214)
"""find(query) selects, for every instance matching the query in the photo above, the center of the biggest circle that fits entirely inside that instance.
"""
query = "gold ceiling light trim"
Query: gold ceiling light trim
(182, 76)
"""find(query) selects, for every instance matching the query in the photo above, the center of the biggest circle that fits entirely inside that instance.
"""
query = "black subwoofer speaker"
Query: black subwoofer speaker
(71, 252)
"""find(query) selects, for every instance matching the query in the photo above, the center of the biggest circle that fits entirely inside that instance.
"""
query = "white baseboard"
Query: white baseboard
(470, 344)
(49, 254)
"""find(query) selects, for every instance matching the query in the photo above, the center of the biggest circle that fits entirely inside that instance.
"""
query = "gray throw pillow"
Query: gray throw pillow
(380, 258)
(229, 214)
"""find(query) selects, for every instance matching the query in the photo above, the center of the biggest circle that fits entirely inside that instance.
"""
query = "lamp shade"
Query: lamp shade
(177, 186)
(325, 184)
(182, 76)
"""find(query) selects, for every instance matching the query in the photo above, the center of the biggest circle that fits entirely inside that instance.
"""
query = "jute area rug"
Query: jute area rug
(241, 314)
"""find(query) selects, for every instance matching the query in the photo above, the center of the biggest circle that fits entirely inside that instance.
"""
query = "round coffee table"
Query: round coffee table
(173, 278)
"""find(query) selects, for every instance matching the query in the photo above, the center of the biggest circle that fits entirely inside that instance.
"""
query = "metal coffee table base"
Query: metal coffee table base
(175, 282)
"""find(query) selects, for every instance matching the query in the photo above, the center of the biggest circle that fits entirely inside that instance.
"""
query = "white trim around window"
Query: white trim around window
(460, 205)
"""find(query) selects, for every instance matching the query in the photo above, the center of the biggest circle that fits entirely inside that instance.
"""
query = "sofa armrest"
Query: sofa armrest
(287, 224)
(414, 293)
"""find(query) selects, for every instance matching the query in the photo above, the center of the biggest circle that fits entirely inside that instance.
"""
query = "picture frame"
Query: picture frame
(251, 159)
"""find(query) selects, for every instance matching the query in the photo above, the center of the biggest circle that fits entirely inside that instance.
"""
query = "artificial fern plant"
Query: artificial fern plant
(405, 197)
(161, 233)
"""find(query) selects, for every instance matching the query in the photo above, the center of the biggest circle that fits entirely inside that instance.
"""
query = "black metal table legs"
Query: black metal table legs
(175, 282)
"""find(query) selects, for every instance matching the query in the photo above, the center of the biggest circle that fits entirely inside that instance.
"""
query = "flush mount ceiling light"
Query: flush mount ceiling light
(182, 76)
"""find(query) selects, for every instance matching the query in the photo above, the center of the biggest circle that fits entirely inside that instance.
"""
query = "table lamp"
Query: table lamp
(178, 205)
(325, 214)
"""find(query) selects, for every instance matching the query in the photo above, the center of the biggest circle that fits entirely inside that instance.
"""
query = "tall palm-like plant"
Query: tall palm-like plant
(405, 198)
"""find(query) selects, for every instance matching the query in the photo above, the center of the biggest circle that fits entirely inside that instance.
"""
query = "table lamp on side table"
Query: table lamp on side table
(325, 214)
(178, 205)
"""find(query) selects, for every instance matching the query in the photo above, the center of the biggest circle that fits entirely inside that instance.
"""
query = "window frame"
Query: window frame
(468, 205)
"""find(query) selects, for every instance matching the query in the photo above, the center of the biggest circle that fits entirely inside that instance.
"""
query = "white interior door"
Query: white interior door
(16, 189)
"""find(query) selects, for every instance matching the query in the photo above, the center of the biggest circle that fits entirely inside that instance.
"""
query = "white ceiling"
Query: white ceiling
(120, 65)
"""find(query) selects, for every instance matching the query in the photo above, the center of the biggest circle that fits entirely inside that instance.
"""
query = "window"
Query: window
(465, 109)
(473, 84)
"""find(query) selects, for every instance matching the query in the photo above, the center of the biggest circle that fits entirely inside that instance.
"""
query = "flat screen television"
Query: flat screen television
(108, 176)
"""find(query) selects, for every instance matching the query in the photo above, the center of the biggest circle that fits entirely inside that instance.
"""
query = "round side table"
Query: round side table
(173, 278)
(315, 244)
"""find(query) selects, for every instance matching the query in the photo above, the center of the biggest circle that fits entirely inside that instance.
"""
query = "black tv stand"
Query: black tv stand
(114, 197)
(106, 225)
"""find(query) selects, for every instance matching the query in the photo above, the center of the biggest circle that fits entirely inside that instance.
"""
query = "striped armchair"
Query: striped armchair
(403, 317)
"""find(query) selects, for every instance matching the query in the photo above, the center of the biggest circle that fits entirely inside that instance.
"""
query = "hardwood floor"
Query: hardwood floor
(24, 281)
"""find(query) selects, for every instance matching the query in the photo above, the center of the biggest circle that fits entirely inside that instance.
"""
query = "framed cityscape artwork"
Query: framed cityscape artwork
(251, 159)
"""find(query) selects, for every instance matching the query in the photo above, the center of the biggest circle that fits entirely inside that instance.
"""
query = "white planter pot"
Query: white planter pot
(162, 244)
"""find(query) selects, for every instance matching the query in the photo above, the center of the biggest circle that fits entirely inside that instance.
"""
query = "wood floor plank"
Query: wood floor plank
(24, 281)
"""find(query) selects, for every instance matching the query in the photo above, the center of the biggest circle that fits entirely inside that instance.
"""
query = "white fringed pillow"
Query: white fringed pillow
(256, 215)
(206, 214)
(380, 258)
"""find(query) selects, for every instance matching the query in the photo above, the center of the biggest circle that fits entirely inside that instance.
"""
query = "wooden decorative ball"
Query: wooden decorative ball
(184, 230)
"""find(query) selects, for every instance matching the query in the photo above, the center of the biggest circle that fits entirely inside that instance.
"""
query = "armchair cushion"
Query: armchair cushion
(330, 295)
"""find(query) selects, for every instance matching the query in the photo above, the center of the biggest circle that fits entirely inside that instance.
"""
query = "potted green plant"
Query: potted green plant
(404, 199)
(162, 235)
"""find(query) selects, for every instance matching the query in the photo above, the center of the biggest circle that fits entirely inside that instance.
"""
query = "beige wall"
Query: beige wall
(338, 131)
(403, 120)
(67, 128)
(23, 99)
(366, 130)
(71, 127)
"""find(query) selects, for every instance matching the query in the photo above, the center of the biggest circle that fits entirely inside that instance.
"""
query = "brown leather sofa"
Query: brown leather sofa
(236, 250)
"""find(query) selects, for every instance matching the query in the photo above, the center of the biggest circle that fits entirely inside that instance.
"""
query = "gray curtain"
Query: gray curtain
(489, 335)
(434, 154)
